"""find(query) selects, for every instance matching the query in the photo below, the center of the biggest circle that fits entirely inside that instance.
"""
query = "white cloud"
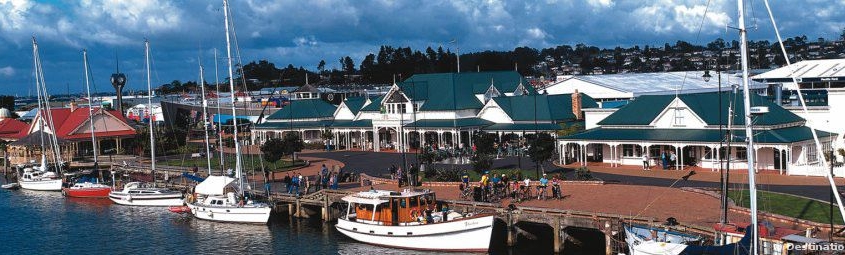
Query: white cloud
(7, 71)
(600, 3)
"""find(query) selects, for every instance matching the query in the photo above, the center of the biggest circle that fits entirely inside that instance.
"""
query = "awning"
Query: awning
(523, 127)
(213, 185)
(448, 123)
(801, 239)
(364, 200)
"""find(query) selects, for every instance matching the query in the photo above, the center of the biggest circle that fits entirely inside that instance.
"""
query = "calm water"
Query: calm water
(33, 222)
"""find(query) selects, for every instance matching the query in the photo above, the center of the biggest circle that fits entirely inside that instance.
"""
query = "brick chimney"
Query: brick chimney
(576, 105)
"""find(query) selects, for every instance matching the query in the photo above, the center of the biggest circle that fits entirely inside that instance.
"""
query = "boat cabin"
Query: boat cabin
(774, 240)
(381, 207)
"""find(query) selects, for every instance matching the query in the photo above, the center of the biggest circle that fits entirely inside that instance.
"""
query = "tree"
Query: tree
(484, 150)
(291, 143)
(541, 149)
(273, 150)
(7, 102)
(321, 66)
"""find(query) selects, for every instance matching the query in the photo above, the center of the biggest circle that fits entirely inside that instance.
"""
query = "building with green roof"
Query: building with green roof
(692, 128)
(441, 109)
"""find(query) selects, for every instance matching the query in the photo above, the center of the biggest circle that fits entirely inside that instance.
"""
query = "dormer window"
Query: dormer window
(491, 93)
(520, 90)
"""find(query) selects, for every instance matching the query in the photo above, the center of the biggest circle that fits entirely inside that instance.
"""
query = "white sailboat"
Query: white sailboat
(652, 243)
(215, 197)
(40, 177)
(141, 194)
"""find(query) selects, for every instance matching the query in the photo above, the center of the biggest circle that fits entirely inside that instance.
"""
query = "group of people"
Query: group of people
(515, 187)
(666, 160)
(325, 180)
(411, 177)
(510, 149)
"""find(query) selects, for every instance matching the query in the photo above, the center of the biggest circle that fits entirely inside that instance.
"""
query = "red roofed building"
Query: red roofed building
(12, 129)
(74, 126)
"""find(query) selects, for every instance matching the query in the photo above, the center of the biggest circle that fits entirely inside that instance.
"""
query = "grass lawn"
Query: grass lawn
(788, 205)
(249, 163)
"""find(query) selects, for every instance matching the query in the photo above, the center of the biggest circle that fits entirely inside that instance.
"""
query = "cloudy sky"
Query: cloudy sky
(304, 32)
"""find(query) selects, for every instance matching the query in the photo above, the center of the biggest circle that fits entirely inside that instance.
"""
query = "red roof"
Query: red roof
(12, 128)
(67, 121)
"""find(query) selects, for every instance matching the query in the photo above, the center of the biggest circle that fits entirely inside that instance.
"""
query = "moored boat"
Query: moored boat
(87, 189)
(138, 194)
(216, 201)
(408, 220)
(33, 179)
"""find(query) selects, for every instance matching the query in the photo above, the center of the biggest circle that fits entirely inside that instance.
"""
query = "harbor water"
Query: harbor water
(35, 222)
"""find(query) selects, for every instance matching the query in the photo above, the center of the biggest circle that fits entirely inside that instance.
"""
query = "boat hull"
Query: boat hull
(470, 234)
(247, 214)
(87, 192)
(157, 200)
(42, 185)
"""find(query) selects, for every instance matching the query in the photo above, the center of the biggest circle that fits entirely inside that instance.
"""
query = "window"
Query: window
(654, 151)
(631, 150)
(679, 117)
(741, 153)
(812, 153)
(709, 153)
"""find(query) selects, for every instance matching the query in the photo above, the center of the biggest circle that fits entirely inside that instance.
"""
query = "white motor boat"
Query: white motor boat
(407, 220)
(215, 201)
(139, 194)
(34, 179)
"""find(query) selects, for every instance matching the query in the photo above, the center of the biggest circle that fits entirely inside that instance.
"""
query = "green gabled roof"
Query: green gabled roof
(295, 124)
(644, 109)
(305, 109)
(548, 107)
(352, 124)
(374, 106)
(775, 136)
(448, 91)
(355, 103)
(522, 127)
(465, 122)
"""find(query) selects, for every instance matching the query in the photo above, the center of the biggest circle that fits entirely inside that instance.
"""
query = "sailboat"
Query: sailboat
(215, 198)
(89, 187)
(40, 177)
(143, 194)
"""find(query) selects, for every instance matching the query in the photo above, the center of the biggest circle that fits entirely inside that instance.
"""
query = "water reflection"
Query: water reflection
(355, 248)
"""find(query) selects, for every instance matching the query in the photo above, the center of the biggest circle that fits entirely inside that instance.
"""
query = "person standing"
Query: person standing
(664, 159)
(645, 161)
(673, 159)
(287, 182)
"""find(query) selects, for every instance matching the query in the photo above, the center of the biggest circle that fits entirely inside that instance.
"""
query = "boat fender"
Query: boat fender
(128, 198)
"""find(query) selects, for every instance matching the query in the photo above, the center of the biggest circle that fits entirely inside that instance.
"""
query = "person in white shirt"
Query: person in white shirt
(645, 162)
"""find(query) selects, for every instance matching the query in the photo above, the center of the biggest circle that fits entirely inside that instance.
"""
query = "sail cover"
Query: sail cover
(213, 185)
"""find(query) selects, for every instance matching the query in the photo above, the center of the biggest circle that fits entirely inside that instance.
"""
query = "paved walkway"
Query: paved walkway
(377, 163)
(657, 202)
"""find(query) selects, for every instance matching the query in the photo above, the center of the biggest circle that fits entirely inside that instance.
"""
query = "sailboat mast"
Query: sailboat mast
(36, 65)
(749, 135)
(205, 118)
(150, 108)
(90, 105)
(232, 89)
(219, 125)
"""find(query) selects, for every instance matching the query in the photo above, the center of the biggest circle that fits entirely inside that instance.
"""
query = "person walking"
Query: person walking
(673, 159)
(645, 162)
(664, 159)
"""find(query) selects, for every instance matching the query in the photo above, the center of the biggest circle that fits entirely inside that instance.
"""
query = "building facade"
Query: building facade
(692, 127)
(439, 110)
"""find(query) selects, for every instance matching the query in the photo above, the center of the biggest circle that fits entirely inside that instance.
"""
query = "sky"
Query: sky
(184, 33)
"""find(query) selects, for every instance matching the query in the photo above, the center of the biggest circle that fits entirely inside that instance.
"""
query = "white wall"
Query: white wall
(343, 113)
(595, 91)
(594, 116)
(493, 113)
